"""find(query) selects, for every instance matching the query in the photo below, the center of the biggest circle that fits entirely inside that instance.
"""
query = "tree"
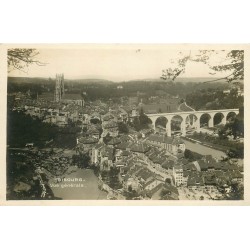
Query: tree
(82, 160)
(95, 121)
(233, 64)
(107, 138)
(21, 58)
(237, 192)
(192, 156)
(114, 182)
(162, 121)
(144, 120)
(168, 181)
(137, 124)
(123, 128)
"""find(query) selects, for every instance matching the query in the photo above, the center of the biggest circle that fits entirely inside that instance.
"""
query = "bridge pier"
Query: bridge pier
(153, 119)
(224, 119)
(197, 125)
(183, 124)
(168, 128)
(211, 121)
(183, 128)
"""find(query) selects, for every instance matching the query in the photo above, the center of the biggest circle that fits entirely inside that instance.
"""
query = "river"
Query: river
(203, 150)
(79, 185)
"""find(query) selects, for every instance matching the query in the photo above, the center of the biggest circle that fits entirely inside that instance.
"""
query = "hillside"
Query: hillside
(101, 88)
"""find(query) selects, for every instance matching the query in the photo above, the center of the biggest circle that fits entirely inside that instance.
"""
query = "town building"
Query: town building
(173, 145)
(178, 175)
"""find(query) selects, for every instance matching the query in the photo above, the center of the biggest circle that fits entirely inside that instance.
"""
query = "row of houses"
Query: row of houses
(144, 183)
(171, 144)
(207, 174)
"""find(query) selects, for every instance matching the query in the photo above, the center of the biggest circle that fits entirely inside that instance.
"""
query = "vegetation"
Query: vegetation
(107, 138)
(21, 58)
(131, 194)
(235, 127)
(101, 90)
(141, 122)
(161, 121)
(112, 178)
(192, 156)
(237, 151)
(22, 129)
(21, 181)
(95, 121)
(123, 128)
(236, 193)
(233, 64)
(96, 169)
(166, 195)
(209, 99)
(234, 149)
(82, 160)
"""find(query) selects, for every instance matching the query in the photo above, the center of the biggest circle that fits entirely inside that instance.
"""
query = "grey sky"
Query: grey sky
(116, 63)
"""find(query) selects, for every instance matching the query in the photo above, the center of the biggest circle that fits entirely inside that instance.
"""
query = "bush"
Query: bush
(192, 156)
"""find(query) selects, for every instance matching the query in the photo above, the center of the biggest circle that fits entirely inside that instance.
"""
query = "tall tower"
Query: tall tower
(59, 88)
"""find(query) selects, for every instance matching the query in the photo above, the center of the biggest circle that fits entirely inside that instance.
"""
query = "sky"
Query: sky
(115, 63)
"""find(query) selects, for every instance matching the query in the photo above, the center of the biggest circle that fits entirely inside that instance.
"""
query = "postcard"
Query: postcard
(124, 124)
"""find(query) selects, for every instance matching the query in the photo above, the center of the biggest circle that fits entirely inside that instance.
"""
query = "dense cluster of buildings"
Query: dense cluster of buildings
(144, 167)
(149, 164)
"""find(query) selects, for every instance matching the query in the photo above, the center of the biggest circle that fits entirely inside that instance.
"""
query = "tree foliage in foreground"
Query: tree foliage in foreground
(24, 129)
(19, 58)
(233, 64)
(209, 99)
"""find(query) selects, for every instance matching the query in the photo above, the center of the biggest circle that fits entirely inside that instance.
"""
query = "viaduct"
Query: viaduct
(195, 115)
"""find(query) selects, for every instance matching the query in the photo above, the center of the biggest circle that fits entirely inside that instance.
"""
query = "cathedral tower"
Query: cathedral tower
(59, 87)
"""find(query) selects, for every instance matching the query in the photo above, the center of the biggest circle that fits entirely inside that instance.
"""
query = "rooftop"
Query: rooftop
(164, 139)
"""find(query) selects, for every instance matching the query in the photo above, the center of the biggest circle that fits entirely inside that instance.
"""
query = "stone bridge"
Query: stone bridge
(195, 116)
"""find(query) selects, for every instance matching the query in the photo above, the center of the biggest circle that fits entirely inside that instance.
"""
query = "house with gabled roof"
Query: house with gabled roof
(140, 149)
(114, 141)
(170, 192)
(151, 184)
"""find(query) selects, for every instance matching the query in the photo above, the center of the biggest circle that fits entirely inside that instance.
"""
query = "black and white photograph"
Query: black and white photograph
(125, 122)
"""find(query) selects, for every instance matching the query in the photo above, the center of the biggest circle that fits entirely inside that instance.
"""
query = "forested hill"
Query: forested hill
(210, 99)
(97, 88)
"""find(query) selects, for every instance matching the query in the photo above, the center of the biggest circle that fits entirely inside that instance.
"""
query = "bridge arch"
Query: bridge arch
(192, 122)
(161, 124)
(178, 124)
(206, 119)
(230, 115)
(219, 118)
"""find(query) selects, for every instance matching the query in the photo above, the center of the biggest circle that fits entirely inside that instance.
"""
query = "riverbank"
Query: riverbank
(215, 142)
(208, 144)
(198, 147)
